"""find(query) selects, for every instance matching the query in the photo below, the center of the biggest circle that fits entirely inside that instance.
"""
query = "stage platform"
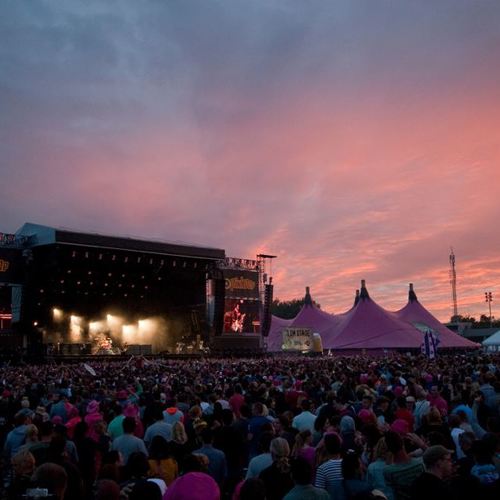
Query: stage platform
(238, 342)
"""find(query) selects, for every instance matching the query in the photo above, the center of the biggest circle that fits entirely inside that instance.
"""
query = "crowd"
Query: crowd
(398, 427)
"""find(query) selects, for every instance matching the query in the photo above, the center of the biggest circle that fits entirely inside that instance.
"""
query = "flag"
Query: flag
(430, 344)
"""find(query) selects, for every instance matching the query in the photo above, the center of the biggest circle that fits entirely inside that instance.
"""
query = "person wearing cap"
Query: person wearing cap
(431, 484)
(405, 410)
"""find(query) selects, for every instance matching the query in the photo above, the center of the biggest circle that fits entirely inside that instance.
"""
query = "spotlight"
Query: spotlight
(57, 314)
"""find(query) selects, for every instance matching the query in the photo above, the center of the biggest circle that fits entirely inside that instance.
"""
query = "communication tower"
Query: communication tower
(453, 283)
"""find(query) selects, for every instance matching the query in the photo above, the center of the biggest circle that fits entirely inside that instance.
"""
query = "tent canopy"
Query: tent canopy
(492, 340)
(369, 326)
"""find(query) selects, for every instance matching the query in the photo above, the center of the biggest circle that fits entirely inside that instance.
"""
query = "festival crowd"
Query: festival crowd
(296, 428)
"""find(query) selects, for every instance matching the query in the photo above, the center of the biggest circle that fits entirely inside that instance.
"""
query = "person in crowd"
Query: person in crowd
(400, 474)
(158, 428)
(329, 472)
(277, 477)
(262, 460)
(217, 465)
(128, 443)
(16, 437)
(51, 477)
(431, 484)
(302, 447)
(375, 469)
(302, 474)
(305, 419)
(161, 462)
(354, 482)
(23, 466)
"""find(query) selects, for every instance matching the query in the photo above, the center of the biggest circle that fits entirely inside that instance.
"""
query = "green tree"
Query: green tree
(288, 309)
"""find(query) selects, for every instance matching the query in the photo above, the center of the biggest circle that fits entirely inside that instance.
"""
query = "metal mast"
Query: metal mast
(453, 283)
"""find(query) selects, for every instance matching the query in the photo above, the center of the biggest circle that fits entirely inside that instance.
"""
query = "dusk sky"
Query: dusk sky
(353, 139)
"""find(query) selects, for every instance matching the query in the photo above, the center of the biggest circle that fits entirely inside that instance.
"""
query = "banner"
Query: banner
(297, 339)
(241, 284)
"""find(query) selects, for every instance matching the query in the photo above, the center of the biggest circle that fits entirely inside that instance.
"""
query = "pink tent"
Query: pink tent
(369, 326)
(310, 316)
(274, 340)
(417, 315)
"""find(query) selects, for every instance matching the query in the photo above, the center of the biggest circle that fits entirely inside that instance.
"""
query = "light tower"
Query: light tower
(453, 283)
(489, 299)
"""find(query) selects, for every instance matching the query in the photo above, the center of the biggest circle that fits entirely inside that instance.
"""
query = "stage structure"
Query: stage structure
(239, 303)
(75, 293)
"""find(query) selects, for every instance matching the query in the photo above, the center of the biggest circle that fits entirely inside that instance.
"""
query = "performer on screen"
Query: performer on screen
(237, 319)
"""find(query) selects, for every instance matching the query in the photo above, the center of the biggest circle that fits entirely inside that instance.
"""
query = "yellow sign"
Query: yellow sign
(297, 339)
(240, 284)
(4, 265)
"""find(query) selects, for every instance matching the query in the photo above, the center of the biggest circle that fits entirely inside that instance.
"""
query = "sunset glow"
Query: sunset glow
(354, 140)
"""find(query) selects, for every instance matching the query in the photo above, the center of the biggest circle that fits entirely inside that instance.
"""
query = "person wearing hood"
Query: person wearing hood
(172, 414)
(93, 416)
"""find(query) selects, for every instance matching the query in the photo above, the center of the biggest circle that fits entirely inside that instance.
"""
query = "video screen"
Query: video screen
(241, 316)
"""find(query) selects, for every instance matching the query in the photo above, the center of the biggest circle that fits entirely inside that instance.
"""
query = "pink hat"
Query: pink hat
(131, 411)
(93, 407)
(73, 412)
(56, 420)
(122, 394)
(193, 486)
(400, 426)
(398, 391)
(366, 416)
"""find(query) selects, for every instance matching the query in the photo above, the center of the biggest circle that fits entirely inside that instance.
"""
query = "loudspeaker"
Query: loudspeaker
(219, 302)
(266, 312)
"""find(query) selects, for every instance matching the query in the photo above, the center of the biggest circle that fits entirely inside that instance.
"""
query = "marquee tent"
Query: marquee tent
(417, 315)
(492, 343)
(369, 326)
(310, 316)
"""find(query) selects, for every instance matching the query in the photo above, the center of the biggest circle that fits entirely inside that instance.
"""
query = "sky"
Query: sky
(352, 139)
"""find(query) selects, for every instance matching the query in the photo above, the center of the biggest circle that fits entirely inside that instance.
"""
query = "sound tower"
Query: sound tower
(266, 315)
(219, 302)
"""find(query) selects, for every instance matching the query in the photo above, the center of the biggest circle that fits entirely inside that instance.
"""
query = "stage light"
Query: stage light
(75, 320)
(114, 322)
(129, 333)
(96, 326)
(35, 323)
(57, 314)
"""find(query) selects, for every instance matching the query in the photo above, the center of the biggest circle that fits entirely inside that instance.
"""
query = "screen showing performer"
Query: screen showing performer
(241, 316)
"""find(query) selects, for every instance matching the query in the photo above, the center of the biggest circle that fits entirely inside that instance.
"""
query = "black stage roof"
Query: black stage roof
(39, 235)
